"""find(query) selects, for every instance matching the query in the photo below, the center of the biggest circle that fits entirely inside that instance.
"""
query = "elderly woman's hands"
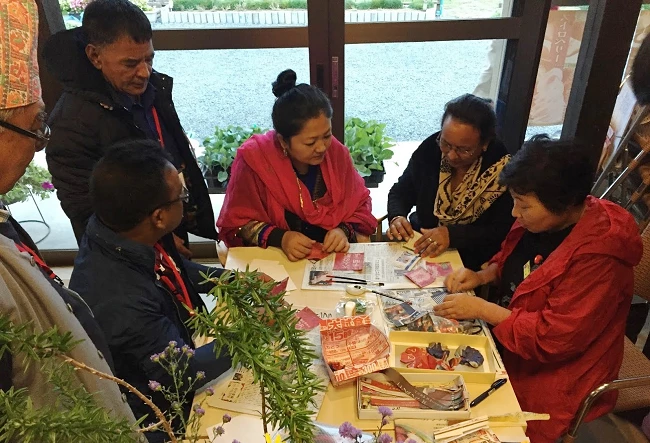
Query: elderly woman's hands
(461, 307)
(399, 229)
(433, 242)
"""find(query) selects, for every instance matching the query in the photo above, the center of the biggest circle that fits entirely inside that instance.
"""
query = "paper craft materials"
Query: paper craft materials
(437, 356)
(496, 385)
(439, 269)
(274, 270)
(420, 431)
(352, 347)
(400, 315)
(308, 319)
(407, 260)
(420, 277)
(486, 373)
(470, 431)
(348, 261)
(317, 252)
(410, 243)
(413, 395)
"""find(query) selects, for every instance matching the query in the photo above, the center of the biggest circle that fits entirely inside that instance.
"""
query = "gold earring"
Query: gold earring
(286, 154)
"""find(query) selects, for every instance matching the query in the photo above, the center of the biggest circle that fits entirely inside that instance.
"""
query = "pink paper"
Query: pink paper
(420, 277)
(439, 269)
(317, 252)
(308, 319)
(348, 262)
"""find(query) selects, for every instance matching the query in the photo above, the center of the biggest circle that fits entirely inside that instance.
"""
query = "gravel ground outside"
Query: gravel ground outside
(404, 85)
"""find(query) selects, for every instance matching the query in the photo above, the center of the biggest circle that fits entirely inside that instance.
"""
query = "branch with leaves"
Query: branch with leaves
(252, 322)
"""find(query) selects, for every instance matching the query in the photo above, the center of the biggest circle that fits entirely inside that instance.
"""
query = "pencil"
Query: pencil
(391, 296)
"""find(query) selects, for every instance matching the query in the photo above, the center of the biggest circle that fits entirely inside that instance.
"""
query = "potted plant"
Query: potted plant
(369, 148)
(36, 182)
(220, 150)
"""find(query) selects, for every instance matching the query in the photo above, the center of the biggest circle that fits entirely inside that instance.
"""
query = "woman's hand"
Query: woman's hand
(336, 241)
(461, 307)
(399, 229)
(433, 242)
(463, 279)
(296, 245)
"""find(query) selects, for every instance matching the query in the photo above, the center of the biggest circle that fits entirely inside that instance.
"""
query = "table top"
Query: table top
(340, 403)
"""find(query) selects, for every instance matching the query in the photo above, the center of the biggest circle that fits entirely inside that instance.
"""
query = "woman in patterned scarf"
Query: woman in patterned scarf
(452, 180)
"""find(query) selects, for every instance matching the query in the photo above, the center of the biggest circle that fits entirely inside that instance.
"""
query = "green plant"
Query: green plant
(417, 4)
(36, 181)
(368, 145)
(220, 149)
(259, 331)
(142, 4)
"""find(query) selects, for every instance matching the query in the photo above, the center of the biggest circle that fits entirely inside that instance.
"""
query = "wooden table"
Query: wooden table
(340, 403)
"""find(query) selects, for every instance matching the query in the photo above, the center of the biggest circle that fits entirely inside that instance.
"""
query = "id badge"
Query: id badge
(526, 270)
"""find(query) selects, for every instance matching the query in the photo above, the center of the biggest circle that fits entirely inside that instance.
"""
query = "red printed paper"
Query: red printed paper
(348, 262)
(307, 319)
(280, 287)
(317, 252)
(352, 347)
(420, 277)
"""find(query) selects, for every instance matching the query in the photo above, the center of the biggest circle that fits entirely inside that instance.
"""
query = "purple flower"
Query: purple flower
(172, 344)
(210, 391)
(384, 421)
(384, 438)
(346, 430)
(154, 385)
(410, 440)
(155, 358)
(190, 352)
(385, 411)
(47, 186)
(226, 418)
(200, 412)
(200, 375)
(236, 441)
(220, 430)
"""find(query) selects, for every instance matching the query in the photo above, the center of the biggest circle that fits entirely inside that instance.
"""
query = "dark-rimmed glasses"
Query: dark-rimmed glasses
(184, 197)
(42, 135)
(446, 147)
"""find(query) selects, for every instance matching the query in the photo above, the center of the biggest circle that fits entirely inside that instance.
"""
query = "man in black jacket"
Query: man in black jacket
(111, 94)
(129, 271)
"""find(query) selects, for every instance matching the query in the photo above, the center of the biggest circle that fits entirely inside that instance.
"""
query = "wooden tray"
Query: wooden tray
(400, 340)
(419, 377)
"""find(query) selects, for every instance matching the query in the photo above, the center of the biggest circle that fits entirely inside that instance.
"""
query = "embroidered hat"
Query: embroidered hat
(19, 82)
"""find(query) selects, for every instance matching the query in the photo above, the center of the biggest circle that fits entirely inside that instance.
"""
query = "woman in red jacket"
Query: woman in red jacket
(565, 279)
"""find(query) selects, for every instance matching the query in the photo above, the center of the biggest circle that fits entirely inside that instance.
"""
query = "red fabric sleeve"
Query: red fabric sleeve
(578, 308)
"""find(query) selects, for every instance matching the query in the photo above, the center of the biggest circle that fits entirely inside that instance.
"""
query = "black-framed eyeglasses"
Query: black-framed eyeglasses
(184, 197)
(42, 135)
(446, 147)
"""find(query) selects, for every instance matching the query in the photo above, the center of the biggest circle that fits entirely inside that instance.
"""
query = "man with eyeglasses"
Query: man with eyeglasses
(111, 95)
(29, 291)
(129, 271)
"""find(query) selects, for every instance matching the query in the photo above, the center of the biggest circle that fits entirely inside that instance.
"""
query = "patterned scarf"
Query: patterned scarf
(473, 196)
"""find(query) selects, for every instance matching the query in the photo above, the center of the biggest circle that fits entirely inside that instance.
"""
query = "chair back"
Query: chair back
(642, 270)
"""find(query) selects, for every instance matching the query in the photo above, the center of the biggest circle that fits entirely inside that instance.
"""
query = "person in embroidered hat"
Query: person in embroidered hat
(29, 290)
(138, 201)
(112, 95)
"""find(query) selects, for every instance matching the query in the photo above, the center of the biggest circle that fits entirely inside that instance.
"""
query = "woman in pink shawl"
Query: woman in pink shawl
(296, 185)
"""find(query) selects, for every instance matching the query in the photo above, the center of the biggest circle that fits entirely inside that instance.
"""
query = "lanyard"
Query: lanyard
(184, 296)
(45, 268)
(158, 128)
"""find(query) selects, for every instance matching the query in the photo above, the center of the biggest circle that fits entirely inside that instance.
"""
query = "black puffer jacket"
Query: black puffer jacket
(87, 120)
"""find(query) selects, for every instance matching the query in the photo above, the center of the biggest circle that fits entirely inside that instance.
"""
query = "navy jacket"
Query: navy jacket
(138, 315)
(476, 242)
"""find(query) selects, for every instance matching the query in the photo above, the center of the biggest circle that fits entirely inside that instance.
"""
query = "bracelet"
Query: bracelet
(394, 218)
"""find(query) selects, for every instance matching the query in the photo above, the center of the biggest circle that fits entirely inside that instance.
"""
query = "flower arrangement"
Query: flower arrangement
(347, 430)
(73, 6)
(36, 181)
